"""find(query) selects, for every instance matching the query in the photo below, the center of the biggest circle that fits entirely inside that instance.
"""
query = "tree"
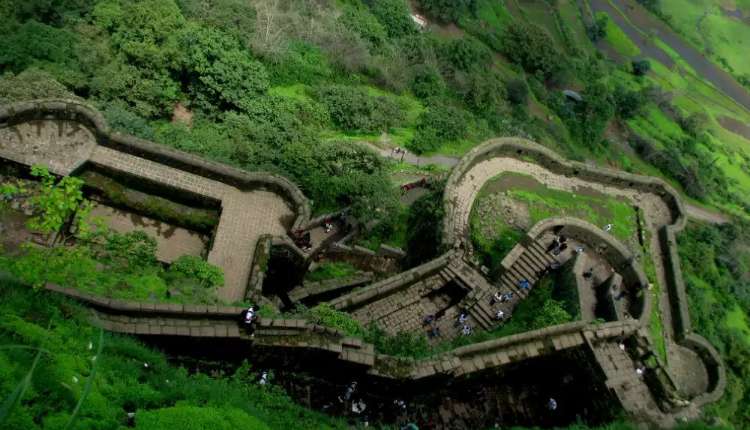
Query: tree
(448, 10)
(517, 92)
(394, 15)
(641, 67)
(532, 48)
(437, 125)
(56, 201)
(465, 53)
(627, 102)
(222, 74)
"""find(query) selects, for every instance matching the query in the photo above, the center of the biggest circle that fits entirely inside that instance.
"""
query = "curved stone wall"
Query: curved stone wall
(523, 149)
(611, 249)
(71, 110)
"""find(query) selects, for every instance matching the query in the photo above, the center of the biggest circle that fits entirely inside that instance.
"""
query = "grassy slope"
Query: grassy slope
(706, 25)
(127, 377)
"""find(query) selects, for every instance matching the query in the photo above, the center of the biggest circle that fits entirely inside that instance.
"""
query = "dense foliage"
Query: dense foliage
(716, 261)
(60, 372)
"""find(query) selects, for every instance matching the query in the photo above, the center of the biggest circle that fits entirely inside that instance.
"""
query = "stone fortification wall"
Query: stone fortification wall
(612, 250)
(74, 111)
(390, 285)
(527, 150)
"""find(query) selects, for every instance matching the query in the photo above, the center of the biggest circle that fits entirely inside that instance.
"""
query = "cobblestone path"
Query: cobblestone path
(245, 216)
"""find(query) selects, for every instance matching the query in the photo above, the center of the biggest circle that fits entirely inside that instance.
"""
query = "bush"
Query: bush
(360, 20)
(465, 54)
(188, 417)
(222, 74)
(394, 15)
(641, 67)
(517, 92)
(130, 252)
(196, 268)
(532, 48)
(353, 110)
(32, 83)
(448, 10)
(438, 125)
(427, 81)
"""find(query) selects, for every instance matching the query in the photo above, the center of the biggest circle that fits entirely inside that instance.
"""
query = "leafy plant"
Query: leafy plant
(56, 201)
(190, 266)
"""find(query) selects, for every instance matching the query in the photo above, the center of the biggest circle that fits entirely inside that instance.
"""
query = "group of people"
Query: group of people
(430, 321)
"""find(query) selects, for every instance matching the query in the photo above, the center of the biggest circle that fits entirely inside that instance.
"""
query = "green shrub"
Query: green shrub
(324, 314)
(130, 252)
(30, 84)
(438, 125)
(532, 48)
(352, 109)
(222, 74)
(56, 201)
(394, 15)
(331, 270)
(403, 344)
(189, 417)
(448, 10)
(427, 81)
(466, 53)
(196, 268)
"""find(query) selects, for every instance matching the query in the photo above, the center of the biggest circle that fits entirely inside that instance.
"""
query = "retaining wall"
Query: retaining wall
(71, 110)
(527, 150)
(617, 254)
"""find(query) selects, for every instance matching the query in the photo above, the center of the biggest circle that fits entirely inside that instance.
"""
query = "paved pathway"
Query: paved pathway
(245, 216)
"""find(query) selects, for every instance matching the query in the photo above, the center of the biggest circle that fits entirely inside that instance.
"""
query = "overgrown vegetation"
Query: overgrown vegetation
(716, 261)
(60, 372)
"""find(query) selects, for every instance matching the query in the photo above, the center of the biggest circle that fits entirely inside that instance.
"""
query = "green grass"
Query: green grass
(330, 270)
(736, 319)
(89, 378)
(493, 236)
(618, 39)
(706, 26)
(393, 234)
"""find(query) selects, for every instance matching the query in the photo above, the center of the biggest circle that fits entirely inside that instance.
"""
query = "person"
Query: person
(552, 404)
(466, 330)
(497, 297)
(328, 226)
(524, 284)
(359, 406)
(350, 389)
(507, 297)
(640, 370)
(434, 331)
(428, 320)
(248, 318)
(500, 315)
(589, 273)
(400, 405)
(579, 249)
(263, 378)
(621, 345)
(608, 227)
(462, 317)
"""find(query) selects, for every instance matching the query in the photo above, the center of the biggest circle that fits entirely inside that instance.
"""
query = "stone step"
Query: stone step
(541, 252)
(508, 282)
(479, 315)
(529, 265)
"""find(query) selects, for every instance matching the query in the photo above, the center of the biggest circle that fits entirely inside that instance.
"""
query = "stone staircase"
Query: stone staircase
(532, 260)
